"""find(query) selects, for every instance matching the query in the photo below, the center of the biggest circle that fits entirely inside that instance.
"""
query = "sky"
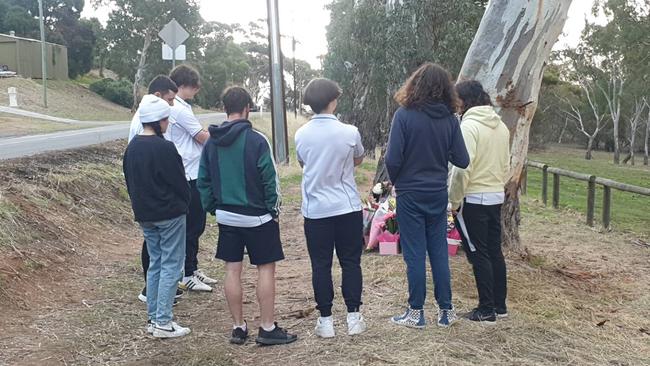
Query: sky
(307, 21)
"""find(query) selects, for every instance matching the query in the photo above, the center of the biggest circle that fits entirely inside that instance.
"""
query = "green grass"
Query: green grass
(629, 210)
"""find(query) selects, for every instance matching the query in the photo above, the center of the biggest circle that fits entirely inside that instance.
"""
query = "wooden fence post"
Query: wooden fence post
(607, 207)
(591, 200)
(545, 185)
(556, 190)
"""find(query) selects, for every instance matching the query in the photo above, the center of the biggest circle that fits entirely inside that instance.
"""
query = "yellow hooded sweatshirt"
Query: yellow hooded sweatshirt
(488, 143)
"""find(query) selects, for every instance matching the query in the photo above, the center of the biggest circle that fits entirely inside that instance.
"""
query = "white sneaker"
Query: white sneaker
(171, 330)
(325, 327)
(149, 327)
(356, 324)
(194, 284)
(203, 278)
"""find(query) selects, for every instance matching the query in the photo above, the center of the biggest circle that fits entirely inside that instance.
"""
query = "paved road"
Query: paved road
(24, 113)
(30, 145)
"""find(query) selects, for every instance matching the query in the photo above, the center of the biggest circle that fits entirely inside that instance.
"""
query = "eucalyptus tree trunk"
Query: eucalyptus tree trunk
(647, 137)
(639, 107)
(140, 71)
(508, 56)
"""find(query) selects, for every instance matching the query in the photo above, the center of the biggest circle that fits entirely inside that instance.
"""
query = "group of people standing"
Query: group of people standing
(176, 172)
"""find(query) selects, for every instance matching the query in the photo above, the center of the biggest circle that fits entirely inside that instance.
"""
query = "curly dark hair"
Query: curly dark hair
(430, 83)
(472, 94)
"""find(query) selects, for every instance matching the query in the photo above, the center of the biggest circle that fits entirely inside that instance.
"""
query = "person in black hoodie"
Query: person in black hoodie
(160, 196)
(425, 135)
(239, 184)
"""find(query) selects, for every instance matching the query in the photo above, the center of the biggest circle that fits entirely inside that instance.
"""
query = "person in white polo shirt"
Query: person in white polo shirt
(187, 133)
(328, 150)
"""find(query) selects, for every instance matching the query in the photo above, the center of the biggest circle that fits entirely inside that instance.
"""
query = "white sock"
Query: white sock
(243, 327)
(326, 319)
(269, 329)
(355, 315)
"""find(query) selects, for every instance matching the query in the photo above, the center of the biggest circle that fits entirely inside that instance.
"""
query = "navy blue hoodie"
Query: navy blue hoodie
(422, 141)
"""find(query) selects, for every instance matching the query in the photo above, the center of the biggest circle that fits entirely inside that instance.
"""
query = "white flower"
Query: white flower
(378, 189)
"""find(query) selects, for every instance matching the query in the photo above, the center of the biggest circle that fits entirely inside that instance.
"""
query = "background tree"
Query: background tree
(622, 47)
(256, 48)
(132, 28)
(223, 63)
(63, 26)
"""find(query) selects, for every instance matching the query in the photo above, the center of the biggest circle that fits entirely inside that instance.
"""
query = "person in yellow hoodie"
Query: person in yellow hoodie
(476, 194)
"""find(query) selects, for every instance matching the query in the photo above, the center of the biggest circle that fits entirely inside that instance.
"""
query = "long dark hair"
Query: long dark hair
(472, 94)
(156, 127)
(430, 83)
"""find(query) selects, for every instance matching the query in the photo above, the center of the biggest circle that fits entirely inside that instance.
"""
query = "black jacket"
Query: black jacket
(155, 179)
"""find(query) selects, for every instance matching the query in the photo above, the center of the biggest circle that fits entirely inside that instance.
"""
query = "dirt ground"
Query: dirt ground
(70, 273)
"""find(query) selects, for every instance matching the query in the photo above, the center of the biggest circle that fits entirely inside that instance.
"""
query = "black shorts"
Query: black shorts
(261, 242)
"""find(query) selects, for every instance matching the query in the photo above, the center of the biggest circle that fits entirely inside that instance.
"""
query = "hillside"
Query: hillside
(66, 99)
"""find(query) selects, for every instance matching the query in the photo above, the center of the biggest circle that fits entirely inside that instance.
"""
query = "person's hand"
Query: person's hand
(454, 211)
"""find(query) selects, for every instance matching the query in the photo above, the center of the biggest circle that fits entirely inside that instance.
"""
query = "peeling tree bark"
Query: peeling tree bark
(507, 56)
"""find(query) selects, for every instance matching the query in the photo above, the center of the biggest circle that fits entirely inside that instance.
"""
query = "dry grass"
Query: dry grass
(66, 99)
(11, 126)
(580, 297)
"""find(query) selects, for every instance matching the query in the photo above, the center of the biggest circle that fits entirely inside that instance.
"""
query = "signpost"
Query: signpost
(43, 50)
(174, 35)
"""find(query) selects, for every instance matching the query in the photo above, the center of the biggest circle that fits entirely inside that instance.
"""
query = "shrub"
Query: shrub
(117, 91)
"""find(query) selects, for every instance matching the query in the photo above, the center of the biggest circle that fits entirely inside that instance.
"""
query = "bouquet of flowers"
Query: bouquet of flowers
(380, 217)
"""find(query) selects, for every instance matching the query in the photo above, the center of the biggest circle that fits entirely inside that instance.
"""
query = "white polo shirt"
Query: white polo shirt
(136, 127)
(183, 126)
(327, 148)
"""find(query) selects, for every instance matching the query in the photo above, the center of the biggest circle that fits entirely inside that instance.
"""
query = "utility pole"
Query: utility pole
(295, 89)
(278, 111)
(43, 52)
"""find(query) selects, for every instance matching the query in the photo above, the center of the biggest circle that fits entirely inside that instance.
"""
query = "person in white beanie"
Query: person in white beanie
(164, 88)
(160, 197)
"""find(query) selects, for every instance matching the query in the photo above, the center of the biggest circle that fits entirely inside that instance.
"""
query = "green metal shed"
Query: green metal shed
(23, 55)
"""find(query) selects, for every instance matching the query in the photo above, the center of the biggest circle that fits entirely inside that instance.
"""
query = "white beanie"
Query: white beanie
(153, 109)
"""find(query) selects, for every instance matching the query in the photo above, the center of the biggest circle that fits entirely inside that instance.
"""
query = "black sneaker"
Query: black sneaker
(179, 293)
(276, 336)
(477, 316)
(239, 335)
(501, 312)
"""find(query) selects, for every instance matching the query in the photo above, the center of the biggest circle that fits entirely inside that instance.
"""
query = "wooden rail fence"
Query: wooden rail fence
(591, 180)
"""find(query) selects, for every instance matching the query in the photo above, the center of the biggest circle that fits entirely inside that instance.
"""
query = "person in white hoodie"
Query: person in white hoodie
(476, 194)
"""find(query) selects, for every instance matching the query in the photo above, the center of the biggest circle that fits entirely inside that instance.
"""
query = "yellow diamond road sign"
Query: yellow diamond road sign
(173, 34)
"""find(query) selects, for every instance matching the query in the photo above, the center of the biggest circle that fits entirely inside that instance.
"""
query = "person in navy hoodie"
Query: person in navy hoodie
(424, 137)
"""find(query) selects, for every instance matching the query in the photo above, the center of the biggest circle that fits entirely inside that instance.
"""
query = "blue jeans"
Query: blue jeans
(422, 219)
(166, 245)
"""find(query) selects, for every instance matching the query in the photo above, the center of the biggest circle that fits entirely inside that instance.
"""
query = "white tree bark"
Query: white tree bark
(138, 74)
(613, 95)
(639, 107)
(576, 115)
(507, 56)
(647, 135)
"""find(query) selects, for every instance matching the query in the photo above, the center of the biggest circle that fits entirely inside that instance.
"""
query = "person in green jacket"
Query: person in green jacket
(476, 193)
(238, 183)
